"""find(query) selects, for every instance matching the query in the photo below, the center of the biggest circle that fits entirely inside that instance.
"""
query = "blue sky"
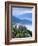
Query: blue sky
(19, 13)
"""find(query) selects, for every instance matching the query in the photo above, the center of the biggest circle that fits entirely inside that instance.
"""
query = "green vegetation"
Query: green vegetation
(20, 32)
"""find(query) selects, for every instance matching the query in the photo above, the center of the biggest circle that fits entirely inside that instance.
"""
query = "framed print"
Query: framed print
(20, 22)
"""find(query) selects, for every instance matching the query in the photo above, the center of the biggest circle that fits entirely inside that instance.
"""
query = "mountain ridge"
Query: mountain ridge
(17, 20)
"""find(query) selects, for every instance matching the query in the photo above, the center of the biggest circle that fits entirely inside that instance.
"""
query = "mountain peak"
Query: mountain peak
(15, 20)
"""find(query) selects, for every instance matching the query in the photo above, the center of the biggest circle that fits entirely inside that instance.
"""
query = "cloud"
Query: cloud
(20, 11)
(30, 19)
(23, 12)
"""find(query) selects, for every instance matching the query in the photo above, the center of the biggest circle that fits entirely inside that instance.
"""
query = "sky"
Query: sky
(22, 12)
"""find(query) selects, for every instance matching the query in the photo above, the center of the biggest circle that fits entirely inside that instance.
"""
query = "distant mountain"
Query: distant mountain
(17, 20)
(26, 22)
(27, 15)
